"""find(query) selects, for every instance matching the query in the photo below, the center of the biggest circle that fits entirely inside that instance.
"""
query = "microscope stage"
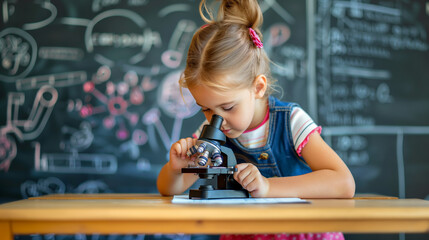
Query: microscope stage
(208, 170)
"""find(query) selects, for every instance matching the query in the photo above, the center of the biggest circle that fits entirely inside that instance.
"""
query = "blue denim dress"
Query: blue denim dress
(278, 157)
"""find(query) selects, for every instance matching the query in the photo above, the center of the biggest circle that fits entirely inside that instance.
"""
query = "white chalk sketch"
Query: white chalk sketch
(11, 8)
(130, 148)
(85, 163)
(138, 37)
(354, 37)
(56, 80)
(173, 8)
(178, 44)
(281, 11)
(174, 100)
(77, 139)
(50, 185)
(176, 103)
(53, 13)
(291, 60)
(30, 128)
(18, 51)
(352, 147)
(356, 8)
(98, 5)
(152, 119)
(102, 75)
(61, 53)
(53, 185)
(92, 186)
(144, 164)
(25, 129)
(352, 48)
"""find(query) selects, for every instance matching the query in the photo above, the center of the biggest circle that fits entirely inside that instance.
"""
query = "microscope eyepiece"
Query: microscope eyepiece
(212, 131)
(216, 121)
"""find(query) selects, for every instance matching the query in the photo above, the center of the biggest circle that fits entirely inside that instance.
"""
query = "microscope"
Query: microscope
(219, 170)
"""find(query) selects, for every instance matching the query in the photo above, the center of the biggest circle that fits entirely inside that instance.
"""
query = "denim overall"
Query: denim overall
(278, 157)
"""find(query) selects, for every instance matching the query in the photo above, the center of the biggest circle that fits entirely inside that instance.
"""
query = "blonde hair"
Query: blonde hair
(222, 54)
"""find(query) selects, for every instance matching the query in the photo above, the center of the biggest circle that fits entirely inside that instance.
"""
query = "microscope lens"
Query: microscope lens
(201, 148)
(203, 158)
(217, 159)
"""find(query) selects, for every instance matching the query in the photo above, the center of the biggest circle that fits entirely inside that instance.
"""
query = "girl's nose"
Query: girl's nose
(224, 123)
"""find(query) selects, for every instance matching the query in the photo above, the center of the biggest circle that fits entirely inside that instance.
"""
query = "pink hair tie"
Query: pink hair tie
(255, 38)
(205, 25)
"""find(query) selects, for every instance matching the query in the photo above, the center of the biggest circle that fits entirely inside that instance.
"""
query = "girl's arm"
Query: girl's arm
(330, 177)
(171, 180)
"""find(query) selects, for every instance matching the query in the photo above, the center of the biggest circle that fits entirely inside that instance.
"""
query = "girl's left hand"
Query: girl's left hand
(249, 177)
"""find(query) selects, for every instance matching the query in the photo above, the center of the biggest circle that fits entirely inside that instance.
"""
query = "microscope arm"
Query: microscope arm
(231, 160)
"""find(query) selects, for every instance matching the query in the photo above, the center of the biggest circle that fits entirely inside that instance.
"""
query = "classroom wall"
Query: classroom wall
(89, 100)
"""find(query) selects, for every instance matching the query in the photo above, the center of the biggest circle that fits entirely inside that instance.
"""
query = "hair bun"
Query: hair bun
(245, 12)
(242, 12)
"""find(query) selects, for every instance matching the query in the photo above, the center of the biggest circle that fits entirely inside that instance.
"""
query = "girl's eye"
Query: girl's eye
(228, 108)
(205, 109)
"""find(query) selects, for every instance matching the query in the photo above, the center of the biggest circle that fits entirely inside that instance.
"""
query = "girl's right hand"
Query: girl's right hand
(178, 157)
(249, 177)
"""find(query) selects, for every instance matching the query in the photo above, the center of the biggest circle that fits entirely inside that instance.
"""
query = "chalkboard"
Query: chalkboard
(89, 96)
(89, 100)
(372, 72)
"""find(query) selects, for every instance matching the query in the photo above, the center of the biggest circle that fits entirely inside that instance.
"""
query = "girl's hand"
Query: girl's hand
(249, 177)
(178, 157)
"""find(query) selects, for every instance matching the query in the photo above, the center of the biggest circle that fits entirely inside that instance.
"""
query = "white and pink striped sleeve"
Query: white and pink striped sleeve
(302, 126)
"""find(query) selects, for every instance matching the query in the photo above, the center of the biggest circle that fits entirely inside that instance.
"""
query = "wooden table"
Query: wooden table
(150, 214)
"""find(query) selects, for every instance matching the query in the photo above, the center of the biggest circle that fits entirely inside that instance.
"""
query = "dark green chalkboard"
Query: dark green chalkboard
(372, 79)
(89, 96)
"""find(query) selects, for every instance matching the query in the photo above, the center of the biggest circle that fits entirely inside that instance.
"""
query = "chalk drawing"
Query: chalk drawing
(65, 79)
(30, 128)
(179, 41)
(92, 186)
(12, 8)
(85, 163)
(8, 151)
(45, 186)
(18, 51)
(116, 100)
(61, 53)
(273, 4)
(141, 38)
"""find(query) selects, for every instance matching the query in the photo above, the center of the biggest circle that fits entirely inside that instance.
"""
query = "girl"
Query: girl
(278, 147)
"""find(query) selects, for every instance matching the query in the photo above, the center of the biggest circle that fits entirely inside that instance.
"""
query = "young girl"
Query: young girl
(278, 147)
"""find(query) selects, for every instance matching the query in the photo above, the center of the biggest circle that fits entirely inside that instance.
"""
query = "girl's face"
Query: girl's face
(241, 109)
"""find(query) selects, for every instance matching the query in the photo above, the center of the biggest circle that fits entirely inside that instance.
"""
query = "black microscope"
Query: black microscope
(220, 173)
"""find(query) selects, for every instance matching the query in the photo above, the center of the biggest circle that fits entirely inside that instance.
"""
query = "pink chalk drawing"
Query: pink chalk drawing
(116, 100)
(7, 152)
(24, 128)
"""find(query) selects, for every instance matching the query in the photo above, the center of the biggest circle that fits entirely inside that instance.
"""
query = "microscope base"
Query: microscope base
(217, 193)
